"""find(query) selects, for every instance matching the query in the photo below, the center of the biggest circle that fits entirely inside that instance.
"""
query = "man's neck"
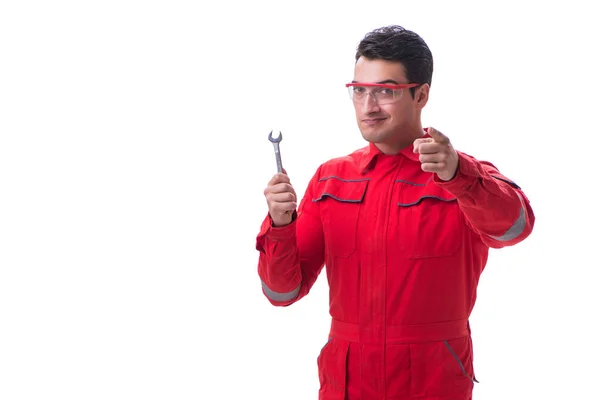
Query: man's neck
(408, 138)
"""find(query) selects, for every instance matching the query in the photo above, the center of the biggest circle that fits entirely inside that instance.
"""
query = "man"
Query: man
(403, 226)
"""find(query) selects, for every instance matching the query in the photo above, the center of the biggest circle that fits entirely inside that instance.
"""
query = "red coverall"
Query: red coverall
(403, 252)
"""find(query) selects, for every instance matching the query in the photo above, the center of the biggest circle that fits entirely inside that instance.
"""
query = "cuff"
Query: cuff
(269, 231)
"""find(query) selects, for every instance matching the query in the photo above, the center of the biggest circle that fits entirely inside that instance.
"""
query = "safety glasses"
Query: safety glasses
(381, 93)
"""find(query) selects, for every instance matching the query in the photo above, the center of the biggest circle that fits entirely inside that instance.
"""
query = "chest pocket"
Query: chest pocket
(429, 221)
(340, 204)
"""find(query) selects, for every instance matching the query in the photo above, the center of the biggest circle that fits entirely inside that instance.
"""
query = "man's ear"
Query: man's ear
(422, 95)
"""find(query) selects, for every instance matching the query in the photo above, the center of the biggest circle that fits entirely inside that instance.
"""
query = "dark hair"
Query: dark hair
(394, 43)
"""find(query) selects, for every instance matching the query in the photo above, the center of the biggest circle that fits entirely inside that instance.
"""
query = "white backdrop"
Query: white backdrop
(134, 154)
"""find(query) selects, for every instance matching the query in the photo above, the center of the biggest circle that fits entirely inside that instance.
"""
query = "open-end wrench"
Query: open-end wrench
(275, 142)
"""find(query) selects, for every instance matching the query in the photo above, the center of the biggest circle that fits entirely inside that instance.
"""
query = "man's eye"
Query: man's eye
(358, 89)
(386, 92)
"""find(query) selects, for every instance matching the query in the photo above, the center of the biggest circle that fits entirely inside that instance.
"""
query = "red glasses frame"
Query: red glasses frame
(384, 85)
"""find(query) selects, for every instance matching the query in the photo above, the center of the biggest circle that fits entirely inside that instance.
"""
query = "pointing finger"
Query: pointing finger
(438, 136)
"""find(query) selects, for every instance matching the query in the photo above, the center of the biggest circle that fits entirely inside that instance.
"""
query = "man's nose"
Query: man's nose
(370, 103)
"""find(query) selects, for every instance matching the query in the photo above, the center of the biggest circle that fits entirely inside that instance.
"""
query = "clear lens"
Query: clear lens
(382, 96)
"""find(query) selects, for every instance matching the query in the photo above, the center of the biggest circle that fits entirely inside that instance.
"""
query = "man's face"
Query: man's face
(392, 125)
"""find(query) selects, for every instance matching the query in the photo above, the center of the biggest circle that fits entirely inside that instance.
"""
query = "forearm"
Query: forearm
(279, 264)
(289, 262)
(494, 207)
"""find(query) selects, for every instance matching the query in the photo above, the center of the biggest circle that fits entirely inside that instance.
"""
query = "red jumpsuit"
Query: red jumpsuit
(403, 252)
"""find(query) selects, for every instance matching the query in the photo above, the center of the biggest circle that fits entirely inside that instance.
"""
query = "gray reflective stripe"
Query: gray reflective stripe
(343, 180)
(275, 296)
(337, 198)
(517, 228)
(424, 197)
(409, 183)
(462, 367)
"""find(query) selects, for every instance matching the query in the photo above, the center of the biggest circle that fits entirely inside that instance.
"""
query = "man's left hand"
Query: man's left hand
(437, 154)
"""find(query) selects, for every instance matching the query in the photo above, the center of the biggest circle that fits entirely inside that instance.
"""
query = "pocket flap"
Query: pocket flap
(344, 190)
(415, 193)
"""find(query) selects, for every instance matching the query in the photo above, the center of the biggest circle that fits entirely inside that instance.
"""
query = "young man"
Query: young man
(403, 226)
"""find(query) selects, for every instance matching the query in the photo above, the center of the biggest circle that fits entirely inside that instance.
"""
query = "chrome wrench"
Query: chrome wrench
(275, 142)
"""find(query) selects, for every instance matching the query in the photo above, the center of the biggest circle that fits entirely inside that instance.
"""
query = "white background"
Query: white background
(134, 153)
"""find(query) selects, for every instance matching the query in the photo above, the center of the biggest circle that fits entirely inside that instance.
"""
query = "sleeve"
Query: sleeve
(494, 206)
(291, 257)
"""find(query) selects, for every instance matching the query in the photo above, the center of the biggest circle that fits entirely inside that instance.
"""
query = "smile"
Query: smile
(372, 121)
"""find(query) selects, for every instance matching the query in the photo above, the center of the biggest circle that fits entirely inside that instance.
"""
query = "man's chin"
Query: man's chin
(372, 136)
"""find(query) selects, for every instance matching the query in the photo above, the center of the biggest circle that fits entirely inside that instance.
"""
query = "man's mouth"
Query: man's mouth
(372, 121)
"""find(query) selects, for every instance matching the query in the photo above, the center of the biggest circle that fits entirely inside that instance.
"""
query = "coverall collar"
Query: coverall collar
(371, 151)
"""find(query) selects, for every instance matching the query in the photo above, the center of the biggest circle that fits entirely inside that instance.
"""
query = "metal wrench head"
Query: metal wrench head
(275, 140)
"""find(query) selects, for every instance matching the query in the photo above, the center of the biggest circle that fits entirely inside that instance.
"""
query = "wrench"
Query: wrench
(275, 142)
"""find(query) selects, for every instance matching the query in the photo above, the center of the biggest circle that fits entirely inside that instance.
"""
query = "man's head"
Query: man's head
(391, 116)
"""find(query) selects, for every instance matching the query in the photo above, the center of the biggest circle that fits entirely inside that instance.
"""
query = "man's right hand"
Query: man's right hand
(281, 199)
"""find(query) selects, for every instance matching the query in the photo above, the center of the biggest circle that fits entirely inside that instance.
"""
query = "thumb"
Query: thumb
(437, 135)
